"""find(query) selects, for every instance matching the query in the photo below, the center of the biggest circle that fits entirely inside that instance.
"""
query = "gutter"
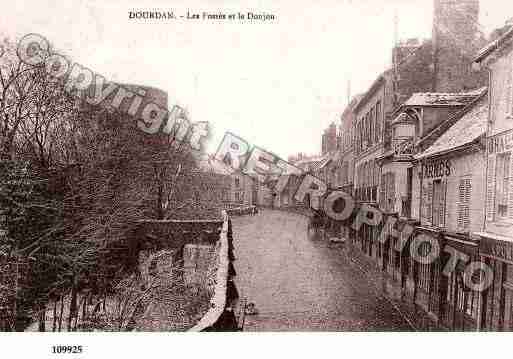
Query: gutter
(467, 147)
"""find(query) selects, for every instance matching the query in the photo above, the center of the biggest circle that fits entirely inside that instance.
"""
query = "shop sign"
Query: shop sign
(501, 143)
(434, 169)
(496, 249)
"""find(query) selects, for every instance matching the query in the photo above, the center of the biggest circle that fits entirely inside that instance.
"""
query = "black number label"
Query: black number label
(67, 349)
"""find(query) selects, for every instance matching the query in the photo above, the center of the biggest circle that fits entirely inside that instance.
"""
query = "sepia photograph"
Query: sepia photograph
(227, 166)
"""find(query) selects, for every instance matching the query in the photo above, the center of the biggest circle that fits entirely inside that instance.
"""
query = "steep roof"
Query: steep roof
(466, 130)
(321, 164)
(313, 164)
(207, 163)
(443, 98)
(352, 104)
(375, 85)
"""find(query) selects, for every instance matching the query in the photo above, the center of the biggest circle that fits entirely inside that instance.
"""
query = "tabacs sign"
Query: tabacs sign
(434, 169)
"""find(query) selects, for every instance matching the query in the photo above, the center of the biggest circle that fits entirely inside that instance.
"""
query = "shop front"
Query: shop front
(497, 253)
(458, 304)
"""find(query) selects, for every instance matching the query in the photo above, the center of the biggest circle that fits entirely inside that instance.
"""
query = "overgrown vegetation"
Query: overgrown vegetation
(74, 180)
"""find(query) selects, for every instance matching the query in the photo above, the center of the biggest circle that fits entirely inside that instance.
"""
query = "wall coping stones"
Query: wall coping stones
(218, 301)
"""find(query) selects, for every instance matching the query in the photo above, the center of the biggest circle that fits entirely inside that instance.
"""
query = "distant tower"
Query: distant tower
(455, 42)
(394, 57)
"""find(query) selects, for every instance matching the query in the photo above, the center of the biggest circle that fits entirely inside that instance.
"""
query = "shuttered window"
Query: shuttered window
(429, 203)
(509, 187)
(372, 124)
(509, 87)
(382, 191)
(464, 193)
(490, 189)
(502, 184)
(391, 192)
(438, 198)
(378, 122)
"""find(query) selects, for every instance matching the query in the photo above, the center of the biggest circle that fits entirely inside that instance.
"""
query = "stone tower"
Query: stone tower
(456, 40)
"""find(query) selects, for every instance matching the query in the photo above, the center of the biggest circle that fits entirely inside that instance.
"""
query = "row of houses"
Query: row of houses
(430, 144)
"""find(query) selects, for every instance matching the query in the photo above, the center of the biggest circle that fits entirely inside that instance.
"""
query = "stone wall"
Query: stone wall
(175, 234)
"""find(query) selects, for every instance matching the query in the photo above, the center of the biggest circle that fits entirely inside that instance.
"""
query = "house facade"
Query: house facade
(496, 244)
(243, 190)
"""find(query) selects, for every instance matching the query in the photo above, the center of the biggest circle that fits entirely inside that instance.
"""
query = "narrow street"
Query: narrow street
(299, 284)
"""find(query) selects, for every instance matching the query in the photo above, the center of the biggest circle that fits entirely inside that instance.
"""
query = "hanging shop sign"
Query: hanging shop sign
(496, 249)
(501, 143)
(434, 169)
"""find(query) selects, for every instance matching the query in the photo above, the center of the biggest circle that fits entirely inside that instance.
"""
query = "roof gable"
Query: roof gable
(470, 127)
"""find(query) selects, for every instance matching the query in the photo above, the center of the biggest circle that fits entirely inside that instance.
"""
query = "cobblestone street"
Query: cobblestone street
(301, 284)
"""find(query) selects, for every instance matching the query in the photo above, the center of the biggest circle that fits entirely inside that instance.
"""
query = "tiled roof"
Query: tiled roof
(443, 98)
(468, 128)
(323, 164)
(313, 164)
(209, 164)
(308, 161)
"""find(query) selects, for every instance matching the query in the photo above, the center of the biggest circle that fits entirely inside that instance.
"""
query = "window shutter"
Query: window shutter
(465, 191)
(382, 191)
(509, 86)
(392, 191)
(429, 203)
(510, 187)
(461, 202)
(468, 195)
(490, 189)
(423, 204)
(441, 204)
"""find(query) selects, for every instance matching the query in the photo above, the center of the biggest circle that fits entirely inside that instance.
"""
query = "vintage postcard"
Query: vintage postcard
(229, 166)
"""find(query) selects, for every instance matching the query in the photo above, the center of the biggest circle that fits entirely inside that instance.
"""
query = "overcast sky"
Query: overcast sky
(277, 84)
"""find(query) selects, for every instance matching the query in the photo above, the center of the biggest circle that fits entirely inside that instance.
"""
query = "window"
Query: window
(367, 130)
(406, 201)
(237, 182)
(502, 183)
(391, 192)
(388, 191)
(464, 191)
(378, 121)
(438, 205)
(427, 200)
(371, 125)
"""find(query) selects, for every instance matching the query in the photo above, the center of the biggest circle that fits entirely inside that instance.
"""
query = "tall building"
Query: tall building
(329, 139)
(496, 239)
(456, 38)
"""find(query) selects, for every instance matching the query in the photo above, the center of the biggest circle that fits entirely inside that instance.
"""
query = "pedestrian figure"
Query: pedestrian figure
(314, 224)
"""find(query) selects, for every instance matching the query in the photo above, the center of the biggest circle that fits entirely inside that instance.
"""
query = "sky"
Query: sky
(277, 84)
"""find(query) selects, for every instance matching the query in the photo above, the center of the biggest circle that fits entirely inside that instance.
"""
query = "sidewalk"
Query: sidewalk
(418, 319)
